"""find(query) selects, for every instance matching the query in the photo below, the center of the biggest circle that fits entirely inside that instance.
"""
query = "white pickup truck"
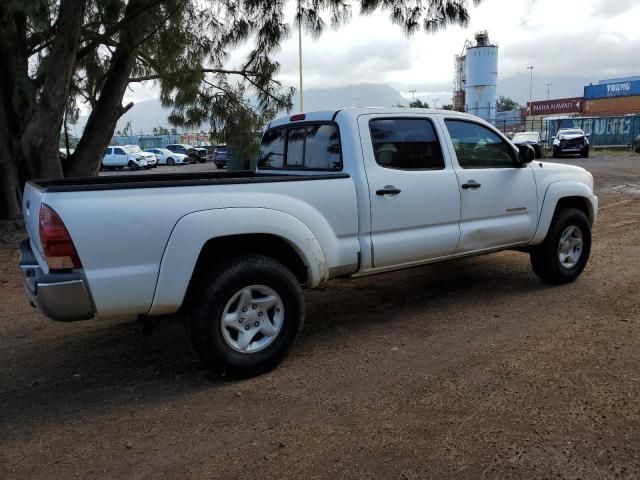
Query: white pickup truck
(351, 192)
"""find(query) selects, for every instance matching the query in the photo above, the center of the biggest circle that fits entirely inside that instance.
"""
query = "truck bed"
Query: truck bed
(118, 182)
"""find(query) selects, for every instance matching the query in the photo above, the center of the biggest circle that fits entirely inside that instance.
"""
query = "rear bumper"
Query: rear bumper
(63, 297)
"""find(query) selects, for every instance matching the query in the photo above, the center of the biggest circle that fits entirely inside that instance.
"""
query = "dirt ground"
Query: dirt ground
(467, 369)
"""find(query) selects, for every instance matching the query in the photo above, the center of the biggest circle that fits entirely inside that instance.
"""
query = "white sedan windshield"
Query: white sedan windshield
(132, 149)
(527, 137)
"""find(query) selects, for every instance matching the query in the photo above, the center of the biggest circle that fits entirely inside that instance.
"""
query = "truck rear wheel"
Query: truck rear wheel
(564, 253)
(246, 316)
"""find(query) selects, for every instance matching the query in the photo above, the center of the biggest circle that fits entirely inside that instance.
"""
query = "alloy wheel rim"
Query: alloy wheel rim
(570, 247)
(252, 318)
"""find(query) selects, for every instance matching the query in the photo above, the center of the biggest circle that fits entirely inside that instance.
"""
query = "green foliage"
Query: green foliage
(449, 106)
(418, 104)
(184, 46)
(506, 104)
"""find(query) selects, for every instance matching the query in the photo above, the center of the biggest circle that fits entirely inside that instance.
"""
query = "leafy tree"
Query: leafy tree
(57, 52)
(449, 106)
(505, 104)
(418, 104)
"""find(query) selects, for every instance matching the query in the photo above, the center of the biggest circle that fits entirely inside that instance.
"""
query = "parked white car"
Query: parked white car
(167, 157)
(340, 193)
(116, 156)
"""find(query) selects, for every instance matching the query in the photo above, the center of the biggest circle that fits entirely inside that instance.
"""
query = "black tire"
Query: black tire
(171, 162)
(203, 322)
(585, 153)
(132, 165)
(545, 257)
(556, 152)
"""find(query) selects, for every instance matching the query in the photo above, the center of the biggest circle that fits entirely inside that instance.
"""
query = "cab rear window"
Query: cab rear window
(314, 146)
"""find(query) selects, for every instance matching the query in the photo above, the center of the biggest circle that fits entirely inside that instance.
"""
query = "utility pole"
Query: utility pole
(413, 95)
(548, 89)
(435, 102)
(300, 53)
(530, 68)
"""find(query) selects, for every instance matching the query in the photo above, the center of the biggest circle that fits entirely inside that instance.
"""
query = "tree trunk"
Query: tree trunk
(16, 103)
(11, 200)
(102, 121)
(104, 116)
(42, 133)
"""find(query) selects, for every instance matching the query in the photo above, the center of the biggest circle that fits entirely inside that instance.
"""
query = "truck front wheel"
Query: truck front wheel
(245, 316)
(563, 254)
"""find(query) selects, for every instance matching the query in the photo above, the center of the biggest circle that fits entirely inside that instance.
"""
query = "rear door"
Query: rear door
(107, 161)
(499, 202)
(119, 157)
(413, 190)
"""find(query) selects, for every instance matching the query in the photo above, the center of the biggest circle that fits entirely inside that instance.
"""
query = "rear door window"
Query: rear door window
(301, 147)
(406, 144)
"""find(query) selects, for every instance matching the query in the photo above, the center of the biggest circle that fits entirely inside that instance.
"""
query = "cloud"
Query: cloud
(353, 63)
(609, 8)
(591, 52)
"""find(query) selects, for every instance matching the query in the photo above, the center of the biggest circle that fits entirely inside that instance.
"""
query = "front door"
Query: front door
(499, 203)
(413, 191)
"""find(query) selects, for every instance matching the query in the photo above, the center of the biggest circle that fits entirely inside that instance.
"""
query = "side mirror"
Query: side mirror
(588, 135)
(526, 154)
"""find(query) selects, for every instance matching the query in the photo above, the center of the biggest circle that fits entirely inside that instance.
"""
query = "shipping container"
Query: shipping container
(609, 90)
(602, 131)
(612, 106)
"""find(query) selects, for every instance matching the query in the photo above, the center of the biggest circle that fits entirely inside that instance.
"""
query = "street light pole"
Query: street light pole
(300, 53)
(435, 102)
(548, 90)
(413, 95)
(530, 68)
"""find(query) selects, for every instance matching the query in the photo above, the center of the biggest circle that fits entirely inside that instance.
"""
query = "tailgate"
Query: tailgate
(31, 200)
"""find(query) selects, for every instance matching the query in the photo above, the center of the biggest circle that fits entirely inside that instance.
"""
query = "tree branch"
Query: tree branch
(156, 76)
(88, 48)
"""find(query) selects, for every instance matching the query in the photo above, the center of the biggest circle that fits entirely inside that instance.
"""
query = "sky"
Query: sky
(569, 42)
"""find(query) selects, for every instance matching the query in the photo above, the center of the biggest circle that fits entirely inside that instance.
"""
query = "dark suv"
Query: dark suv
(220, 156)
(195, 154)
(570, 140)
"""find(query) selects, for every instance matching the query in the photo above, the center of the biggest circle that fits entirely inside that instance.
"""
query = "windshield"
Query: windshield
(575, 131)
(526, 137)
(132, 149)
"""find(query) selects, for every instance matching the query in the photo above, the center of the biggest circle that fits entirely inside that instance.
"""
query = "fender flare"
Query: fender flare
(554, 193)
(192, 231)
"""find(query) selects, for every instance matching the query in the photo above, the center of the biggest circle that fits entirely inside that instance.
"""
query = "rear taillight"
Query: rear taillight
(59, 251)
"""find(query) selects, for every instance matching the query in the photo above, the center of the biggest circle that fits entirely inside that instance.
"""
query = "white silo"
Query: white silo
(482, 78)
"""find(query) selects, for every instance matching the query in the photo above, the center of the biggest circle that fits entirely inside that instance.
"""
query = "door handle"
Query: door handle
(388, 190)
(471, 185)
